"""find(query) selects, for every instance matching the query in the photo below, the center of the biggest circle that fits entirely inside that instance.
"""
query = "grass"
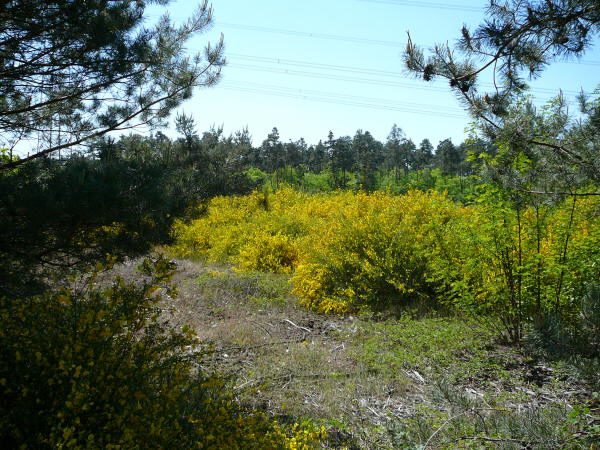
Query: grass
(428, 347)
(458, 420)
(408, 382)
(264, 289)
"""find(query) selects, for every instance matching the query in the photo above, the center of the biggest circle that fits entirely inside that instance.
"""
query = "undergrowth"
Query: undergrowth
(453, 418)
(93, 366)
(263, 289)
(375, 381)
(353, 251)
(432, 347)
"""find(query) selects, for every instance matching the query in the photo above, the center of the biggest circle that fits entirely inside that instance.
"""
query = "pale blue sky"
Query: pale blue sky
(311, 66)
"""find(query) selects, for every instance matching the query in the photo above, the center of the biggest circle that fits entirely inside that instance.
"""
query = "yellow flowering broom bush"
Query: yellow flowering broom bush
(268, 252)
(96, 367)
(259, 231)
(370, 253)
(345, 250)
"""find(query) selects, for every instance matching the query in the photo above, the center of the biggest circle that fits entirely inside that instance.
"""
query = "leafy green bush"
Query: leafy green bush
(517, 263)
(95, 367)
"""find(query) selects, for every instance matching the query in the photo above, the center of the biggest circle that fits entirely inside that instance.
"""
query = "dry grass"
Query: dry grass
(374, 384)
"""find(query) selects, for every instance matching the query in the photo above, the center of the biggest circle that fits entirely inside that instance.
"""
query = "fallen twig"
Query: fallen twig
(261, 327)
(442, 426)
(489, 439)
(308, 330)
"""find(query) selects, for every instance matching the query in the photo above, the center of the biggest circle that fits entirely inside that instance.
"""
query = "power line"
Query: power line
(292, 62)
(341, 102)
(346, 69)
(362, 81)
(449, 109)
(308, 34)
(421, 4)
(399, 107)
(331, 77)
(349, 38)
(327, 36)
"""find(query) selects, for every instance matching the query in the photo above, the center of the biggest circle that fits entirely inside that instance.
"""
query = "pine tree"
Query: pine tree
(369, 155)
(72, 70)
(400, 151)
(342, 159)
(448, 157)
(317, 157)
(518, 39)
(271, 150)
(423, 155)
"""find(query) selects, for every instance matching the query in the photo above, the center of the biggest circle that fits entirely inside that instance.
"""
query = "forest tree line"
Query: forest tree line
(359, 161)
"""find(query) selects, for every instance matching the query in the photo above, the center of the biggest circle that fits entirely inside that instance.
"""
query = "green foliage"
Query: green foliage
(519, 39)
(459, 188)
(515, 262)
(7, 156)
(71, 214)
(346, 251)
(257, 175)
(321, 182)
(60, 215)
(457, 420)
(434, 347)
(584, 423)
(103, 70)
(97, 367)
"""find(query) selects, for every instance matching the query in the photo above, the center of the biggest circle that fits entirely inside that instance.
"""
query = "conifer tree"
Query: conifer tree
(72, 70)
(518, 40)
(271, 150)
(70, 73)
(448, 157)
(342, 159)
(369, 155)
(423, 155)
(399, 150)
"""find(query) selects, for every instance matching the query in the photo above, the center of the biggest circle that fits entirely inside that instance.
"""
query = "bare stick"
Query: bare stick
(308, 330)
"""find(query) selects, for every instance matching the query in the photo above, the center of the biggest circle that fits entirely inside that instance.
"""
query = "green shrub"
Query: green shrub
(517, 263)
(95, 367)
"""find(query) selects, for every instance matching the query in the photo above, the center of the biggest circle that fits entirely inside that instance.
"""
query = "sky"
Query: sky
(311, 66)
